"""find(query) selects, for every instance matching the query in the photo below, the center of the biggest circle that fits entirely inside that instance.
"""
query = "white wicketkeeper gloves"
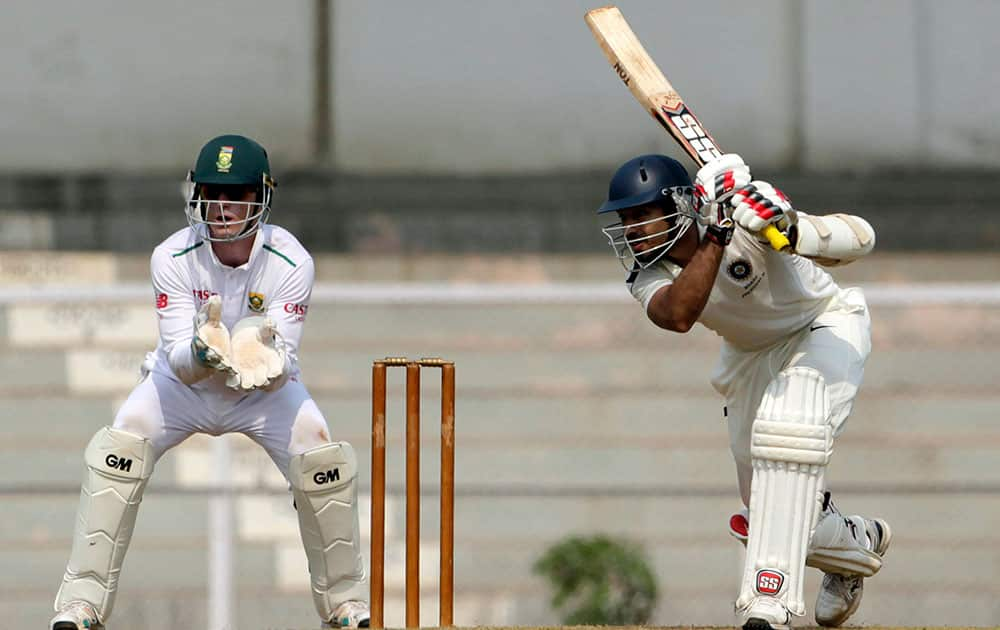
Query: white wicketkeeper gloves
(210, 343)
(253, 356)
(258, 355)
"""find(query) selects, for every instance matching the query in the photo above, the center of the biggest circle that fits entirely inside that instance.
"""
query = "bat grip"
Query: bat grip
(778, 241)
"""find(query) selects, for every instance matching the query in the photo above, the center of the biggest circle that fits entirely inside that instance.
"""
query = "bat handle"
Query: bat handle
(778, 241)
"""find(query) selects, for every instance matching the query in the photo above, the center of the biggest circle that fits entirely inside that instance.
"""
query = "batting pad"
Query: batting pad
(119, 464)
(790, 447)
(326, 497)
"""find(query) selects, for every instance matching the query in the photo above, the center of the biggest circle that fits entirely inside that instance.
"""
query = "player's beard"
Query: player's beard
(653, 244)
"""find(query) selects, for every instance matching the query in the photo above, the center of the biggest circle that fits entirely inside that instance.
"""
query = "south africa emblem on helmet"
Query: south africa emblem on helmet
(225, 160)
(256, 302)
(739, 269)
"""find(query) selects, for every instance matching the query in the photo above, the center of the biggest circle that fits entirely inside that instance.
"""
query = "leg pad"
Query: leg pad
(119, 464)
(326, 497)
(790, 447)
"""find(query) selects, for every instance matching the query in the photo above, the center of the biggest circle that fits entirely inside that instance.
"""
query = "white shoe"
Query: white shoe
(764, 613)
(78, 615)
(351, 614)
(840, 595)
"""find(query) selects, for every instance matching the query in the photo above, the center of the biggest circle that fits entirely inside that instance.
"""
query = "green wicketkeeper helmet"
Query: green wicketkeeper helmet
(230, 160)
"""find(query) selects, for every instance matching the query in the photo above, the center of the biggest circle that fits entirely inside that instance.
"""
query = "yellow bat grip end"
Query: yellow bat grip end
(778, 241)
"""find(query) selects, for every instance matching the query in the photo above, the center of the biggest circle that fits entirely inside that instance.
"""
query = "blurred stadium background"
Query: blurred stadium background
(442, 160)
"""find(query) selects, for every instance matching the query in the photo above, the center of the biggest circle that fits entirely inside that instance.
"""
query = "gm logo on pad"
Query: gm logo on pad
(769, 581)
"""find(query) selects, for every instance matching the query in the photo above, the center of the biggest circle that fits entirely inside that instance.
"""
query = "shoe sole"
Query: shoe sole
(69, 625)
(865, 563)
(883, 544)
(756, 623)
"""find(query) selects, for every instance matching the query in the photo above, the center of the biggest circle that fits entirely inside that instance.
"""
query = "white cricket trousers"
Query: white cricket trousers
(837, 344)
(285, 422)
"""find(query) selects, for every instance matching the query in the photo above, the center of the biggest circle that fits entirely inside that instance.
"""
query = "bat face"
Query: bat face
(696, 141)
(640, 74)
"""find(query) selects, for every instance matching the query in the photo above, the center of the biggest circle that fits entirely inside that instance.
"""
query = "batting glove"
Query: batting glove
(759, 204)
(716, 182)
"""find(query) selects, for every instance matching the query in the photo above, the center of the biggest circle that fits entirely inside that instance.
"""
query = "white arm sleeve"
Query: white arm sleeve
(644, 283)
(834, 239)
(175, 314)
(288, 310)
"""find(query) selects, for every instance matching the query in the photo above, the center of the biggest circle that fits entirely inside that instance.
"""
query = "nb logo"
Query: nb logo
(326, 477)
(113, 461)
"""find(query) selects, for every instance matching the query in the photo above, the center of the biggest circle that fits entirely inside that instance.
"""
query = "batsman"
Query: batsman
(794, 346)
(231, 294)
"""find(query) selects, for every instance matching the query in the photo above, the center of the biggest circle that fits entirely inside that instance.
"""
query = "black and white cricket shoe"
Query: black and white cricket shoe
(840, 595)
(764, 613)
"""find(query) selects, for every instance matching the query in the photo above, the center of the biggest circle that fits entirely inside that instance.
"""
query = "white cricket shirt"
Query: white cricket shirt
(759, 297)
(277, 282)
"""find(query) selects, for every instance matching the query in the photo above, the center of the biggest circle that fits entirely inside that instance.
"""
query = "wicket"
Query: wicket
(447, 550)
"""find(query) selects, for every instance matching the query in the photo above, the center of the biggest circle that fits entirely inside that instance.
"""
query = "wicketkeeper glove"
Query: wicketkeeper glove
(258, 354)
(211, 344)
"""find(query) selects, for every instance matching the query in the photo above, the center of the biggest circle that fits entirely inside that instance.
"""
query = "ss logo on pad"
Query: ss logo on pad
(769, 581)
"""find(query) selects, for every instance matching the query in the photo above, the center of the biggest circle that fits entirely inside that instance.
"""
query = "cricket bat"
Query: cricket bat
(639, 73)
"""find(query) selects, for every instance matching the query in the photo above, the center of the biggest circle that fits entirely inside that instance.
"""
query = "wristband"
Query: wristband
(720, 234)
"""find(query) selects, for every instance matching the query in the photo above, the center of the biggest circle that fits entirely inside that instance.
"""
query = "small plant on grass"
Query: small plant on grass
(599, 581)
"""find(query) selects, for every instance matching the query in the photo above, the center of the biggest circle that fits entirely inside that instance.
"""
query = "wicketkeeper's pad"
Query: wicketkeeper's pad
(119, 464)
(326, 497)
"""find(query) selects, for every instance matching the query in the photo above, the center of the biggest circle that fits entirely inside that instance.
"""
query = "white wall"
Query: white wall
(500, 86)
(521, 85)
(141, 84)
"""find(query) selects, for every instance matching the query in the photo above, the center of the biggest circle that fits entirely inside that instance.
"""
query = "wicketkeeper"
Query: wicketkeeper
(793, 354)
(231, 294)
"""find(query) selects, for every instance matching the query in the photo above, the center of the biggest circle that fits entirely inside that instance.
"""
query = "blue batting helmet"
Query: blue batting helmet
(645, 179)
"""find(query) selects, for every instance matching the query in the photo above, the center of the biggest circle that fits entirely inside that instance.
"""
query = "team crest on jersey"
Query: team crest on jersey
(225, 160)
(739, 269)
(256, 302)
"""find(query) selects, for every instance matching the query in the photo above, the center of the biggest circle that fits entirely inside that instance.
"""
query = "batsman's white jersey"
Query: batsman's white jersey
(774, 311)
(758, 299)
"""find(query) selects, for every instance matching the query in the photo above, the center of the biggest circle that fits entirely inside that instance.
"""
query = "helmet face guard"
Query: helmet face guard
(676, 223)
(257, 212)
(238, 164)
